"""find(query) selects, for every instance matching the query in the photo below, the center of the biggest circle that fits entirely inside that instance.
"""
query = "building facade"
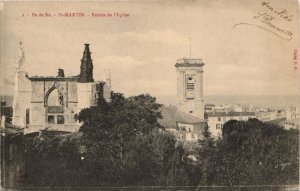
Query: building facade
(52, 101)
(292, 113)
(216, 120)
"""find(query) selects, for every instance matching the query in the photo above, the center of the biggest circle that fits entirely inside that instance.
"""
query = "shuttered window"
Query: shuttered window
(190, 86)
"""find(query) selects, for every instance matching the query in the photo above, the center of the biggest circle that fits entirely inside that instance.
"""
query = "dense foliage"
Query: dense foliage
(259, 153)
(121, 143)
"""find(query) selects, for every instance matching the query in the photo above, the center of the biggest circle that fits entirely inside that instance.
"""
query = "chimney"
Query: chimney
(61, 73)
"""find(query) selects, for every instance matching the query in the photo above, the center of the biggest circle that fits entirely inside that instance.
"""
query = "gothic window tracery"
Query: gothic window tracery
(54, 103)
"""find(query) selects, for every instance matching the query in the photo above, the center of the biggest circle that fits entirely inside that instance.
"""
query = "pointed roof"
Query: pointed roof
(87, 53)
(86, 67)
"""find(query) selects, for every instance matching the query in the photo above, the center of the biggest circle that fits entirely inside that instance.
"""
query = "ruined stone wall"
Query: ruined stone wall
(41, 110)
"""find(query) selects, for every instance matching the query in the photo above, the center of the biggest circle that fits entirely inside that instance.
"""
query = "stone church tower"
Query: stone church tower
(190, 86)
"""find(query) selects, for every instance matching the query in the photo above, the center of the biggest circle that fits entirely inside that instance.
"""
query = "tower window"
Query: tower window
(190, 88)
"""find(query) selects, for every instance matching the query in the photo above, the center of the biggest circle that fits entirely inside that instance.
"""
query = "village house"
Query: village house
(216, 120)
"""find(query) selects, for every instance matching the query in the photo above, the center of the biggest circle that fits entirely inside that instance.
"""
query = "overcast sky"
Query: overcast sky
(141, 50)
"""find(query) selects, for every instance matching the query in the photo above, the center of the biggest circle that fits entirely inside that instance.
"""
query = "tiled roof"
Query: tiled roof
(171, 116)
(187, 118)
(231, 113)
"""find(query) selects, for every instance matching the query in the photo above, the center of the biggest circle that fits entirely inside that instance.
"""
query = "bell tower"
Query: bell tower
(86, 67)
(190, 86)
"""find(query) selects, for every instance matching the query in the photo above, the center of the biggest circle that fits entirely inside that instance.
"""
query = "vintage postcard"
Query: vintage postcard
(149, 95)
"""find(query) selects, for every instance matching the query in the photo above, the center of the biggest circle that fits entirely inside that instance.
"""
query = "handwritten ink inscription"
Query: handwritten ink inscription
(281, 13)
(267, 19)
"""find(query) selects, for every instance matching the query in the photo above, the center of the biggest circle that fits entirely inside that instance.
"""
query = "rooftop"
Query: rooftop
(53, 78)
(171, 116)
(189, 62)
(230, 113)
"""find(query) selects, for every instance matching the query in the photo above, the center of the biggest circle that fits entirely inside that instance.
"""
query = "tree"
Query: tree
(156, 159)
(252, 153)
(123, 117)
(119, 143)
(108, 129)
(183, 171)
(205, 158)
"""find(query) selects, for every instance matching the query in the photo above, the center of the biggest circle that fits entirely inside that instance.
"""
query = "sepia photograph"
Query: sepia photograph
(149, 95)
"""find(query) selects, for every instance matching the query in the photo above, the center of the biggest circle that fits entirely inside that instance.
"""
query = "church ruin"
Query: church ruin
(52, 101)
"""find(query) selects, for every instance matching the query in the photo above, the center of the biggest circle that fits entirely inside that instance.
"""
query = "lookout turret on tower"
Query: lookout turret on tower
(86, 68)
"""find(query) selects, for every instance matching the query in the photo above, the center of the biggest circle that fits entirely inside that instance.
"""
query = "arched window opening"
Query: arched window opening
(55, 98)
(54, 103)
